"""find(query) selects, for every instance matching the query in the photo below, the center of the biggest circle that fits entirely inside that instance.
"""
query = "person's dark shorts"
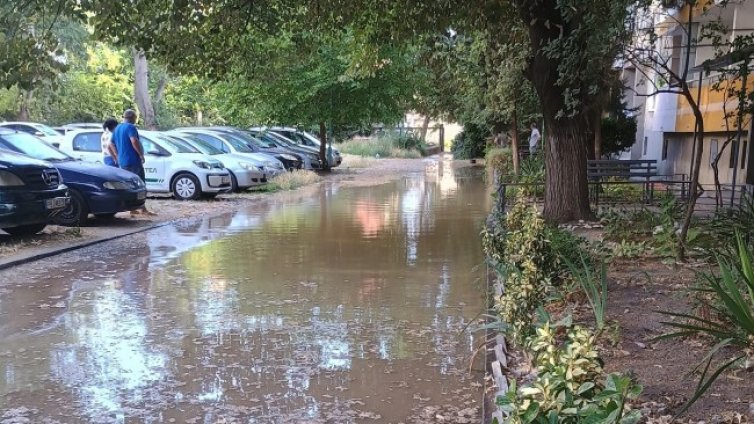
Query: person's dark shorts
(136, 169)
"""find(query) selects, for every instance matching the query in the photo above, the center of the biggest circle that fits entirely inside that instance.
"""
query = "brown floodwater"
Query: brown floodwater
(349, 305)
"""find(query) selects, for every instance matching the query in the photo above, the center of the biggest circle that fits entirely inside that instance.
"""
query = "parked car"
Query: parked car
(63, 129)
(230, 144)
(243, 172)
(307, 139)
(42, 131)
(97, 189)
(32, 193)
(290, 160)
(310, 156)
(169, 168)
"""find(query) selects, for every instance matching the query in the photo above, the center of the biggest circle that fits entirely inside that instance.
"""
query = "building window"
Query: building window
(646, 143)
(712, 151)
(743, 154)
(665, 149)
(733, 148)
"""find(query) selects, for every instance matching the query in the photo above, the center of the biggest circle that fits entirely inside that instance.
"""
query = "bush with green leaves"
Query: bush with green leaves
(570, 385)
(731, 323)
(471, 142)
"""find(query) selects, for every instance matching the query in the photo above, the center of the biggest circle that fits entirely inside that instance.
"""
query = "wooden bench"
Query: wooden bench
(627, 171)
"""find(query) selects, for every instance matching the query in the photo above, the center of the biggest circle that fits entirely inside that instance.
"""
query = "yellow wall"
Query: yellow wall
(713, 109)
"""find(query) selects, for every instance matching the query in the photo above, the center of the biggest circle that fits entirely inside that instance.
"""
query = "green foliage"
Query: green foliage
(499, 160)
(594, 286)
(570, 386)
(732, 323)
(618, 134)
(387, 146)
(471, 142)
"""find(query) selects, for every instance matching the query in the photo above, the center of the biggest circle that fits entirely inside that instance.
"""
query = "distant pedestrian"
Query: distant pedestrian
(534, 139)
(130, 152)
(109, 152)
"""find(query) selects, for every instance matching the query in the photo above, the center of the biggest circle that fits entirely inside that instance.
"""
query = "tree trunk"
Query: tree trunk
(141, 90)
(323, 144)
(566, 188)
(23, 110)
(597, 125)
(425, 127)
(694, 189)
(514, 140)
(566, 138)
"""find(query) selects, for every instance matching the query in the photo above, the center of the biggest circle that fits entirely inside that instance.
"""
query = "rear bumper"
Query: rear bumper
(114, 201)
(30, 207)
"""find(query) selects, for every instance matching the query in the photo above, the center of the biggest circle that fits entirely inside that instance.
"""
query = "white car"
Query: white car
(229, 144)
(306, 139)
(42, 131)
(169, 167)
(244, 172)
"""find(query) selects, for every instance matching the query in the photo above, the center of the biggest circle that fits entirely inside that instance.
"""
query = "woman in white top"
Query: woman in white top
(109, 152)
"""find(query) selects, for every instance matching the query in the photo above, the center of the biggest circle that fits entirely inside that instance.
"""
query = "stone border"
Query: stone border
(500, 361)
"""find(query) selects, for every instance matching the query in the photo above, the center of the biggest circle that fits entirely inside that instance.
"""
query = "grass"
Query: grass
(381, 147)
(353, 161)
(290, 181)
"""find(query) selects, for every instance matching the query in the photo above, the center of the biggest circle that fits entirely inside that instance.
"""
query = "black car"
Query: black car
(31, 194)
(311, 160)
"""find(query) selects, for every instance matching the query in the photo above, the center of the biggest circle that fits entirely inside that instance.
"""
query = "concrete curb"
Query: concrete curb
(58, 251)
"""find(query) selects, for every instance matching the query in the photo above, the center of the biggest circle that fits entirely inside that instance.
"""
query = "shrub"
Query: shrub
(471, 142)
(292, 180)
(387, 146)
(499, 160)
(570, 386)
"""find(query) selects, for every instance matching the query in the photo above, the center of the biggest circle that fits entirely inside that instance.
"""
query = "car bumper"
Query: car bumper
(31, 207)
(216, 182)
(114, 201)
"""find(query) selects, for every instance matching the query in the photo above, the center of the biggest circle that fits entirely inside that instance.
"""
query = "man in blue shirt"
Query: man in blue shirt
(130, 151)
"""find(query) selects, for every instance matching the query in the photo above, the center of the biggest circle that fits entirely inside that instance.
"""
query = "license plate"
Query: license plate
(55, 203)
(141, 195)
(225, 179)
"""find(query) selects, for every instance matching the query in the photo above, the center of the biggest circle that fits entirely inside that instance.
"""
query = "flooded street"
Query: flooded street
(348, 305)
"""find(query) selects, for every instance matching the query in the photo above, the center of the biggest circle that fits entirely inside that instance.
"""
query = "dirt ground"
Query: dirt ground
(638, 290)
(362, 171)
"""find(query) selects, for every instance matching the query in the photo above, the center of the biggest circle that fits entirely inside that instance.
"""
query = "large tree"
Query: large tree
(571, 44)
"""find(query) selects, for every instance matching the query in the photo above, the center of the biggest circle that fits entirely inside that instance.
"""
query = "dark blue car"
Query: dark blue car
(31, 194)
(94, 189)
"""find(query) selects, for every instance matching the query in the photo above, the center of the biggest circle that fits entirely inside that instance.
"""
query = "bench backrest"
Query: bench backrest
(621, 168)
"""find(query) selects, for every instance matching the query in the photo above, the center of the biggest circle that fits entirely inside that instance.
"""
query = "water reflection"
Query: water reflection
(349, 304)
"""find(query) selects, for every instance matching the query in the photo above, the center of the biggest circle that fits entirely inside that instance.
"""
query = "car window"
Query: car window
(32, 146)
(150, 147)
(44, 129)
(87, 142)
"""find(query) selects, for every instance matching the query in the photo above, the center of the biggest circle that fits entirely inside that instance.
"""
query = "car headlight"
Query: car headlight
(116, 185)
(271, 164)
(248, 166)
(9, 179)
(288, 157)
(202, 164)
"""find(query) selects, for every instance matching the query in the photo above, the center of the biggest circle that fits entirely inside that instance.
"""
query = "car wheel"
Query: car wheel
(110, 215)
(75, 214)
(25, 230)
(186, 187)
(234, 184)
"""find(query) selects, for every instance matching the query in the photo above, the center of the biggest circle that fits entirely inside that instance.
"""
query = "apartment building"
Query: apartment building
(665, 120)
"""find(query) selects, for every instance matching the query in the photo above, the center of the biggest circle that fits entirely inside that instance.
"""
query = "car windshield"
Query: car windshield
(200, 144)
(237, 143)
(251, 138)
(179, 146)
(34, 147)
(44, 129)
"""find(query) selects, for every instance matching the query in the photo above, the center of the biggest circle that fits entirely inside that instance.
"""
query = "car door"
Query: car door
(155, 165)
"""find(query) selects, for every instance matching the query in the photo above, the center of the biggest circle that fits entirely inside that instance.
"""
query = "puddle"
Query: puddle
(348, 306)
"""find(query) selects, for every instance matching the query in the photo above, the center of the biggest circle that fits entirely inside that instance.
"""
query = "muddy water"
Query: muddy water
(346, 306)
